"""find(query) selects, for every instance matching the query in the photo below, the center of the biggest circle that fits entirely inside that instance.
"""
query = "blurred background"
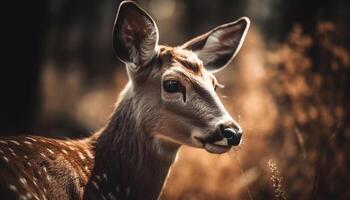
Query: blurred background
(288, 88)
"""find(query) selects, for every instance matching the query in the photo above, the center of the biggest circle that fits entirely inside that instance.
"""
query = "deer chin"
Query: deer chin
(214, 148)
(192, 142)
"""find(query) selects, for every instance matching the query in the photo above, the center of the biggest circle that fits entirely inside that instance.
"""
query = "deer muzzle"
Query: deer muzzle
(231, 137)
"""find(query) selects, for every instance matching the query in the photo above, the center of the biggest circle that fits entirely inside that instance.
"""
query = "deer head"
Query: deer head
(174, 87)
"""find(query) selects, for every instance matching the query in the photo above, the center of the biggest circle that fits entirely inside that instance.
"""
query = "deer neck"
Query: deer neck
(130, 162)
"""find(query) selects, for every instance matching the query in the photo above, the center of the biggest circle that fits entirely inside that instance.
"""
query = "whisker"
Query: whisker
(219, 85)
(237, 148)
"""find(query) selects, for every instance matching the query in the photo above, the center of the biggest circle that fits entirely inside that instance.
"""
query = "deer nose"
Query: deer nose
(232, 134)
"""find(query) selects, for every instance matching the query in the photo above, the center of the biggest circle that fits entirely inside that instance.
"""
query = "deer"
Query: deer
(169, 101)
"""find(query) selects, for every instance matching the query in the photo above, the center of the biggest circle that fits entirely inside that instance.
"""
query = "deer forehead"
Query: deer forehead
(185, 61)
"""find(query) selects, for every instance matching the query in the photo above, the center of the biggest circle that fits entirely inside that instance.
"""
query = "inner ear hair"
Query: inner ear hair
(135, 36)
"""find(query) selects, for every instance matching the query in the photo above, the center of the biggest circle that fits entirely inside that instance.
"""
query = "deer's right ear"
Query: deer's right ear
(217, 47)
(135, 35)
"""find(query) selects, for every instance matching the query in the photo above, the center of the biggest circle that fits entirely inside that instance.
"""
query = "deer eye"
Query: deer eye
(171, 86)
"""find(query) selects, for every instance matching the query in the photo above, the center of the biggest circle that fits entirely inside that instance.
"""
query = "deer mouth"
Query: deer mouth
(214, 144)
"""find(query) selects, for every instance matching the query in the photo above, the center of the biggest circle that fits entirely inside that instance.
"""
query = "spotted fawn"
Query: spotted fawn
(169, 101)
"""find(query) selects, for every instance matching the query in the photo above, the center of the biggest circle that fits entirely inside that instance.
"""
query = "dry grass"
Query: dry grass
(276, 179)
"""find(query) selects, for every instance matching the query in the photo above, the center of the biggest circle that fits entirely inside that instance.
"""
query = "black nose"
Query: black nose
(233, 136)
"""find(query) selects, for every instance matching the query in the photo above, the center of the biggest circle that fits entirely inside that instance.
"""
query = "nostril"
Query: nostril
(233, 136)
(228, 133)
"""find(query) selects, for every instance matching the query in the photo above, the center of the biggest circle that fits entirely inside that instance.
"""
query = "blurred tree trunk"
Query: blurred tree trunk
(80, 36)
(23, 25)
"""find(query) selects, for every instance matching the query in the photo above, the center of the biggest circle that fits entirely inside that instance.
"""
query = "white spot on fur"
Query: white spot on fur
(43, 155)
(98, 178)
(32, 139)
(81, 156)
(12, 152)
(5, 158)
(64, 151)
(95, 185)
(28, 143)
(13, 188)
(29, 164)
(1, 151)
(3, 142)
(50, 151)
(25, 157)
(34, 182)
(89, 154)
(35, 196)
(71, 148)
(23, 180)
(48, 177)
(29, 195)
(22, 197)
(15, 142)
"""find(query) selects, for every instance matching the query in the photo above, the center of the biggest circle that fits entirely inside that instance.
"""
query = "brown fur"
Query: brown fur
(181, 56)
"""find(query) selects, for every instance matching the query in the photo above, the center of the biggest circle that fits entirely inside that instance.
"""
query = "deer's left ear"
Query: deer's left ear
(135, 35)
(217, 47)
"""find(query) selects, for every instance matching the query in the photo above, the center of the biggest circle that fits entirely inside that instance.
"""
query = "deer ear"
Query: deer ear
(135, 35)
(217, 47)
